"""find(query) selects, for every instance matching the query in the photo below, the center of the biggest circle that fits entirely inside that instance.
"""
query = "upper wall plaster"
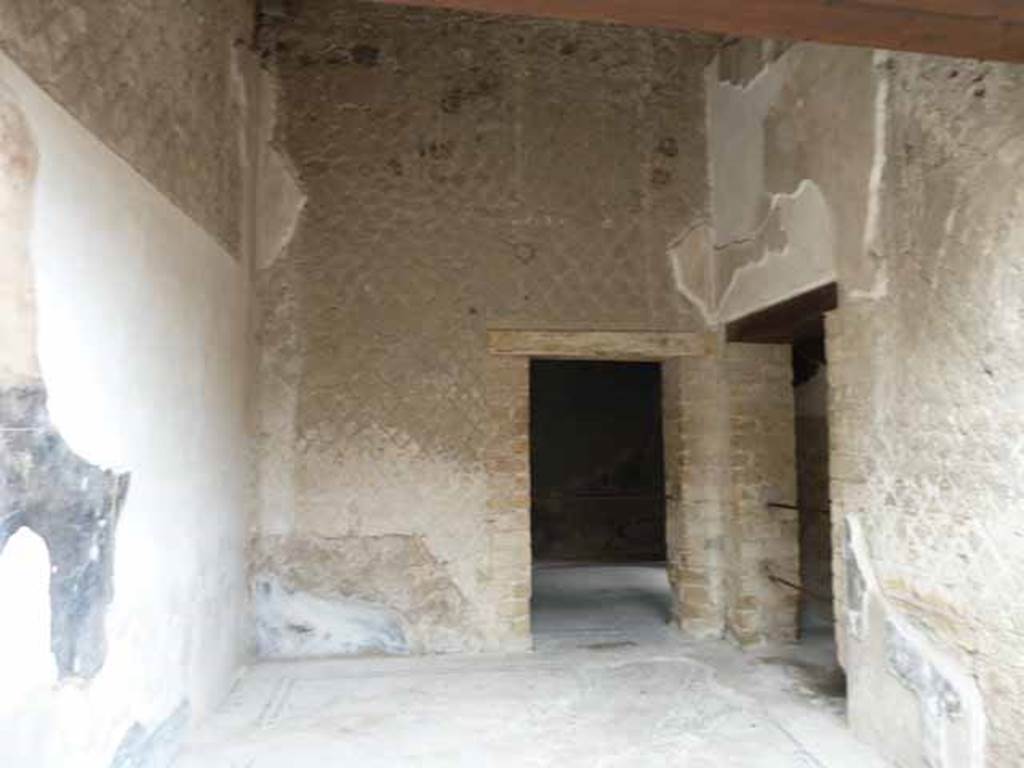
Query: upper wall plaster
(461, 172)
(151, 80)
(783, 151)
(141, 346)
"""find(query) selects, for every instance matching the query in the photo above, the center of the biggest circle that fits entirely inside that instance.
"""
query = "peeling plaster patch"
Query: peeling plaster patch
(790, 252)
(690, 257)
(872, 227)
(806, 259)
(294, 624)
(742, 63)
(871, 223)
(856, 586)
(785, 125)
(354, 593)
(74, 506)
(951, 708)
(156, 748)
(939, 697)
(274, 199)
(282, 203)
(879, 288)
(950, 704)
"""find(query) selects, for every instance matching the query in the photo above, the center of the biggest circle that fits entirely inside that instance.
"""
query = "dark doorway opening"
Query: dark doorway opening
(597, 499)
(810, 395)
(596, 462)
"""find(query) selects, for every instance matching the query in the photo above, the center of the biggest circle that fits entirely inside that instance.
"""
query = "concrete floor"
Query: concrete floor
(610, 684)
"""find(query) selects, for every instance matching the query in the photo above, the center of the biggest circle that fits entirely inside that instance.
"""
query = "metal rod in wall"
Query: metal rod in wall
(779, 505)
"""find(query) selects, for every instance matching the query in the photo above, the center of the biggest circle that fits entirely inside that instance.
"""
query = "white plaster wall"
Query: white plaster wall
(142, 346)
(789, 159)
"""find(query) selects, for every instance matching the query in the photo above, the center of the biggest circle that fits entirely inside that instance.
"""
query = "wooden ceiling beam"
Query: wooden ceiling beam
(795, 319)
(984, 29)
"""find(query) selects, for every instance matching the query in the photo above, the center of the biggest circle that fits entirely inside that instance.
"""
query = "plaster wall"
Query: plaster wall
(136, 345)
(791, 149)
(917, 161)
(152, 81)
(462, 172)
(930, 413)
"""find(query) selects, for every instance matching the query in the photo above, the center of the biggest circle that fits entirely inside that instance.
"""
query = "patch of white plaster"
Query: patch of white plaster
(291, 624)
(282, 203)
(274, 199)
(690, 257)
(735, 116)
(872, 226)
(953, 732)
(807, 260)
(871, 223)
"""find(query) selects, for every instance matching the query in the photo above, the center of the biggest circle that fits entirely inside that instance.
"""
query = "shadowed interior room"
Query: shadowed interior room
(511, 382)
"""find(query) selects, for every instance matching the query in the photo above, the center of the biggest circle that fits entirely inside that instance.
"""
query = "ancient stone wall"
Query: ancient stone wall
(730, 453)
(153, 82)
(918, 162)
(462, 173)
(761, 541)
(931, 415)
(697, 477)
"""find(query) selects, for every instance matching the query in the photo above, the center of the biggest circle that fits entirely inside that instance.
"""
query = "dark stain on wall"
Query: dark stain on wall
(74, 506)
(366, 55)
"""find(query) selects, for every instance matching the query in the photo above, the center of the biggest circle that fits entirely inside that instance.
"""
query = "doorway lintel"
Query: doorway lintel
(629, 346)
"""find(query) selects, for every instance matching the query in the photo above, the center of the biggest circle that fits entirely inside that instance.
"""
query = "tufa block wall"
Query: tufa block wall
(729, 451)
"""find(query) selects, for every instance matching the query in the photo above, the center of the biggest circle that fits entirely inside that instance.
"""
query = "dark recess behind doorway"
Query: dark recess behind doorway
(597, 469)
